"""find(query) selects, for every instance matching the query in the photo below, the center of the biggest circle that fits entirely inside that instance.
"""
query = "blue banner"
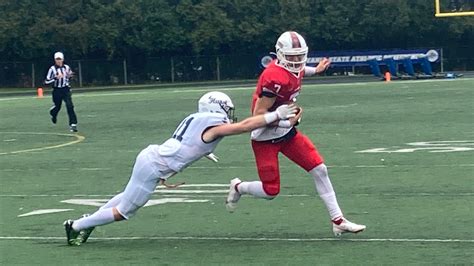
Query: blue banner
(359, 58)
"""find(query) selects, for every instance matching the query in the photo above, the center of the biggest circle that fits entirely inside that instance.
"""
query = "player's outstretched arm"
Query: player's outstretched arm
(251, 123)
(321, 67)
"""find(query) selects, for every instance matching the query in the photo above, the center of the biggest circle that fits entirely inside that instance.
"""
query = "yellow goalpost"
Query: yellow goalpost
(438, 12)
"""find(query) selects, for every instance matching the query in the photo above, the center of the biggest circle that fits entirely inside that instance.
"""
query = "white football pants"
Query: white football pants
(142, 183)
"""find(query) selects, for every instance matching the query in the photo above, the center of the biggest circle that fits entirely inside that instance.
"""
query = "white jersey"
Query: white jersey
(186, 145)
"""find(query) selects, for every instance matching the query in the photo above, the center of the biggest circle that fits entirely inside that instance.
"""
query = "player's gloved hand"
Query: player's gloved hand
(286, 111)
(212, 157)
(294, 121)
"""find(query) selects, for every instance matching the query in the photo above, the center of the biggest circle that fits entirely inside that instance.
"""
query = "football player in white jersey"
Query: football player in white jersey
(196, 136)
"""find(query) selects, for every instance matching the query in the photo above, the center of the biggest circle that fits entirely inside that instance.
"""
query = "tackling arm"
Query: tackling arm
(249, 124)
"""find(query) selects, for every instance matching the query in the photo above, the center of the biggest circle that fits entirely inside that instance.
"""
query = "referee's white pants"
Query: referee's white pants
(140, 187)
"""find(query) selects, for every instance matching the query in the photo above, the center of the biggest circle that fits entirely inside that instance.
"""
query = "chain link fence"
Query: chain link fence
(152, 70)
(156, 70)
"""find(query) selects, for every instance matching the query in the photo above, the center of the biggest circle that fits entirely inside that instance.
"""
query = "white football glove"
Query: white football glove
(212, 157)
(286, 111)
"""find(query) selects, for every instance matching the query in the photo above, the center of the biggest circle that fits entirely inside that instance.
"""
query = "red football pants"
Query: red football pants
(299, 149)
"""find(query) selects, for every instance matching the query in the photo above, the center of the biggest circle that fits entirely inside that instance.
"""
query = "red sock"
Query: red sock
(338, 221)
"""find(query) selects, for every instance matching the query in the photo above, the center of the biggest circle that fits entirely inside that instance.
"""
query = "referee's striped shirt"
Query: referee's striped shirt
(60, 82)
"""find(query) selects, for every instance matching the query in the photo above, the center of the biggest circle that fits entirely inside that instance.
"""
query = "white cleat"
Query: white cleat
(234, 195)
(347, 227)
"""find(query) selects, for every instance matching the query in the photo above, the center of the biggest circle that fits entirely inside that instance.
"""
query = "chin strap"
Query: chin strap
(162, 182)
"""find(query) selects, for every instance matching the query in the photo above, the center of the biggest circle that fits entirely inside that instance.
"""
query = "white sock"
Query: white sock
(100, 217)
(326, 191)
(113, 202)
(254, 188)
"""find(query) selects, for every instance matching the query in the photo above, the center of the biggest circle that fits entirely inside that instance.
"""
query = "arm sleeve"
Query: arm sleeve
(309, 71)
(50, 76)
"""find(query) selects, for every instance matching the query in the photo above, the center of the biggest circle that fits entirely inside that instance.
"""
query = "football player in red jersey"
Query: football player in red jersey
(280, 83)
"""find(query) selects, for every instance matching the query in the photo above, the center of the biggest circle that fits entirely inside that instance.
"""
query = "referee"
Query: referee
(59, 75)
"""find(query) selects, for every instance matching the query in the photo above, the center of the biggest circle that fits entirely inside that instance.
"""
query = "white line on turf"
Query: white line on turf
(252, 166)
(46, 211)
(188, 191)
(341, 166)
(250, 239)
(168, 90)
(421, 194)
(200, 185)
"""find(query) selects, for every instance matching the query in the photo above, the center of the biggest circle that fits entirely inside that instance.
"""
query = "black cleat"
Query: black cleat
(86, 233)
(71, 235)
(73, 128)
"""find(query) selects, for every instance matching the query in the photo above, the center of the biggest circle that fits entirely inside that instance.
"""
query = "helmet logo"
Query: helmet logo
(214, 100)
(222, 103)
(295, 42)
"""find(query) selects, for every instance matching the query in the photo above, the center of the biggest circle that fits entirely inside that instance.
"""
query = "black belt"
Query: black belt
(286, 137)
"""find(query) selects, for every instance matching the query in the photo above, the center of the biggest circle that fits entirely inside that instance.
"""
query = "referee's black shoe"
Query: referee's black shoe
(73, 128)
(54, 118)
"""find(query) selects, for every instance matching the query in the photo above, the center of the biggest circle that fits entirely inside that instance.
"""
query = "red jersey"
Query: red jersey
(275, 81)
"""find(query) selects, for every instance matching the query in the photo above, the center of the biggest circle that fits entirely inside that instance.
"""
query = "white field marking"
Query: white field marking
(430, 146)
(248, 239)
(87, 202)
(170, 90)
(93, 169)
(200, 185)
(45, 211)
(423, 194)
(323, 85)
(188, 191)
(152, 202)
(220, 89)
(343, 106)
(342, 166)
(113, 94)
(78, 139)
(253, 166)
(16, 98)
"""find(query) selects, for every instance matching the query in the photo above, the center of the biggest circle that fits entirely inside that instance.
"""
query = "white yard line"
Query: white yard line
(249, 239)
(208, 194)
(172, 90)
(253, 166)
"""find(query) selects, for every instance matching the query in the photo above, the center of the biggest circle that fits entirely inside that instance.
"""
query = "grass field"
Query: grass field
(418, 206)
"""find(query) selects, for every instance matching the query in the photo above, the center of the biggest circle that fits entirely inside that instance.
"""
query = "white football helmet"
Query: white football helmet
(217, 102)
(292, 51)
